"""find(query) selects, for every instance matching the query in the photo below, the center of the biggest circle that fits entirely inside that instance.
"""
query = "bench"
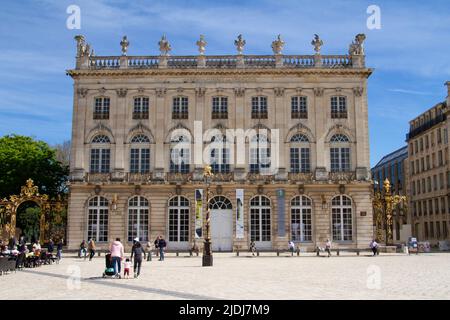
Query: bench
(277, 251)
(339, 250)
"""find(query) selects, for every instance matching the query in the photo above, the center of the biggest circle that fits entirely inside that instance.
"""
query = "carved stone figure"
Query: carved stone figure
(317, 43)
(356, 47)
(201, 44)
(239, 43)
(277, 45)
(83, 48)
(164, 46)
(124, 44)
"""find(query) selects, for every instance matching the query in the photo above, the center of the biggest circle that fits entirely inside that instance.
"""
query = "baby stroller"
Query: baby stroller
(109, 269)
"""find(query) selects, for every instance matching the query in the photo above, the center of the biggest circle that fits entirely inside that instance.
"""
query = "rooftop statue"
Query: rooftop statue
(317, 43)
(201, 44)
(164, 46)
(239, 43)
(124, 44)
(277, 45)
(356, 47)
(83, 48)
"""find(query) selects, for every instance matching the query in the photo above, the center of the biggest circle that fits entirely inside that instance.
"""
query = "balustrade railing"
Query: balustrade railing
(342, 176)
(142, 62)
(104, 62)
(139, 177)
(300, 176)
(98, 177)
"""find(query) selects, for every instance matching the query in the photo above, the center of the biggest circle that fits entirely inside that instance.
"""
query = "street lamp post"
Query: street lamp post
(207, 260)
(384, 204)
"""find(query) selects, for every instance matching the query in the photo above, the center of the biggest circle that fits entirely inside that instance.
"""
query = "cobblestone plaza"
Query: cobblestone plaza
(387, 276)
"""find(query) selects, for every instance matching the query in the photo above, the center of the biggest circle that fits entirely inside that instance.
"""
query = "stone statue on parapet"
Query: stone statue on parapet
(317, 43)
(239, 43)
(164, 46)
(277, 45)
(356, 47)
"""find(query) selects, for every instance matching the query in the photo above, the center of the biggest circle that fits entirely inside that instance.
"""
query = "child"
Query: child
(126, 267)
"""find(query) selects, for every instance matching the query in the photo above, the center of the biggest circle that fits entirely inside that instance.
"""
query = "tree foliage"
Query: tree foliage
(22, 158)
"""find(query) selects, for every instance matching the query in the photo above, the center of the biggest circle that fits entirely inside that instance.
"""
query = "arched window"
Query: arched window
(259, 107)
(180, 108)
(140, 154)
(138, 212)
(140, 110)
(219, 155)
(342, 222)
(100, 154)
(179, 219)
(180, 155)
(299, 107)
(259, 154)
(260, 219)
(300, 153)
(101, 108)
(98, 219)
(220, 202)
(338, 107)
(301, 211)
(339, 153)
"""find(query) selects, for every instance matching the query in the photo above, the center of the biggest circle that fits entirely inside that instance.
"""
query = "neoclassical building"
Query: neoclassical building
(289, 148)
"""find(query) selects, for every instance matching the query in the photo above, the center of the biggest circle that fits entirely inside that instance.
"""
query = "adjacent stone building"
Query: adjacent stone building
(139, 125)
(428, 157)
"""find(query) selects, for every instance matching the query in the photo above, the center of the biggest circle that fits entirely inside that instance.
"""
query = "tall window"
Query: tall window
(339, 153)
(219, 155)
(138, 212)
(219, 108)
(301, 210)
(260, 219)
(101, 108)
(338, 107)
(180, 108)
(100, 154)
(341, 211)
(259, 107)
(98, 219)
(259, 154)
(179, 219)
(300, 154)
(140, 110)
(299, 108)
(180, 155)
(140, 154)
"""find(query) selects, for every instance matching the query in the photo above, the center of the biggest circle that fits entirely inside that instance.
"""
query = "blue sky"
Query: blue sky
(410, 53)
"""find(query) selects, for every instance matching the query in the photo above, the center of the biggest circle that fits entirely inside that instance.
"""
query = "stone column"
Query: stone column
(279, 114)
(78, 125)
(119, 134)
(362, 148)
(240, 114)
(197, 146)
(320, 112)
(160, 133)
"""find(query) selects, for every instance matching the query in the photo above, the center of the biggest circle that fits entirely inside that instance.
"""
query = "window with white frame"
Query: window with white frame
(338, 107)
(259, 107)
(180, 156)
(260, 219)
(179, 219)
(301, 211)
(100, 154)
(97, 228)
(339, 153)
(259, 154)
(138, 215)
(342, 223)
(101, 108)
(180, 108)
(141, 106)
(140, 154)
(300, 154)
(219, 108)
(299, 107)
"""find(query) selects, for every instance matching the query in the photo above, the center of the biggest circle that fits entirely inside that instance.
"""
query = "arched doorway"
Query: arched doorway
(221, 223)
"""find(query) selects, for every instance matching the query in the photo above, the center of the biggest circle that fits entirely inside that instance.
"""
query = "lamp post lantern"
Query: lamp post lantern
(207, 259)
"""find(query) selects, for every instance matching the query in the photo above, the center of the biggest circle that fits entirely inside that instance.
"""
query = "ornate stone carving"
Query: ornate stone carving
(164, 46)
(239, 92)
(356, 47)
(161, 92)
(200, 92)
(259, 90)
(124, 44)
(180, 90)
(102, 90)
(141, 89)
(318, 92)
(122, 92)
(298, 90)
(317, 43)
(277, 45)
(338, 89)
(201, 44)
(82, 92)
(358, 91)
(219, 90)
(83, 48)
(239, 43)
(279, 92)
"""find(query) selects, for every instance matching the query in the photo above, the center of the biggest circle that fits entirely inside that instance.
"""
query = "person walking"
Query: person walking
(161, 245)
(137, 251)
(59, 249)
(156, 246)
(83, 251)
(374, 246)
(148, 249)
(91, 248)
(117, 254)
(328, 247)
(50, 247)
(252, 247)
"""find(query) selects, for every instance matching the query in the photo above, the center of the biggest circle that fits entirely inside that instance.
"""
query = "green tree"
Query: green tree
(28, 222)
(22, 158)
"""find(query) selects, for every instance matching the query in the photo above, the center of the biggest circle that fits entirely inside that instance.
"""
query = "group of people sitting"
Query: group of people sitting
(14, 249)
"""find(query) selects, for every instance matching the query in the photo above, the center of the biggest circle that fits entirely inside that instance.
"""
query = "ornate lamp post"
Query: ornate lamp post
(384, 204)
(207, 260)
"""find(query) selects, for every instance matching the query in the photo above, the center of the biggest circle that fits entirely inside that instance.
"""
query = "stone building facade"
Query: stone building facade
(428, 158)
(130, 177)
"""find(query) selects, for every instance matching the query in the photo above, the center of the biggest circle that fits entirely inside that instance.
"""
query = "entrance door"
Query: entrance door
(222, 230)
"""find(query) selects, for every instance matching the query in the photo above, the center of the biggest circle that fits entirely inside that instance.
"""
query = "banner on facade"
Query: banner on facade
(198, 213)
(281, 213)
(240, 213)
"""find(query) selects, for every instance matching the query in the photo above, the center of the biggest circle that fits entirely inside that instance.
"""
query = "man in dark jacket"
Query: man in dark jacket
(137, 251)
(161, 246)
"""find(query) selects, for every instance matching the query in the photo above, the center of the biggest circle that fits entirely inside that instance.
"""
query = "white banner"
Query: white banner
(240, 213)
(198, 213)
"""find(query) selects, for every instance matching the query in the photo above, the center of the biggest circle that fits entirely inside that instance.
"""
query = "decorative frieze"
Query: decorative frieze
(200, 92)
(122, 92)
(279, 92)
(358, 91)
(82, 92)
(161, 92)
(318, 92)
(239, 92)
